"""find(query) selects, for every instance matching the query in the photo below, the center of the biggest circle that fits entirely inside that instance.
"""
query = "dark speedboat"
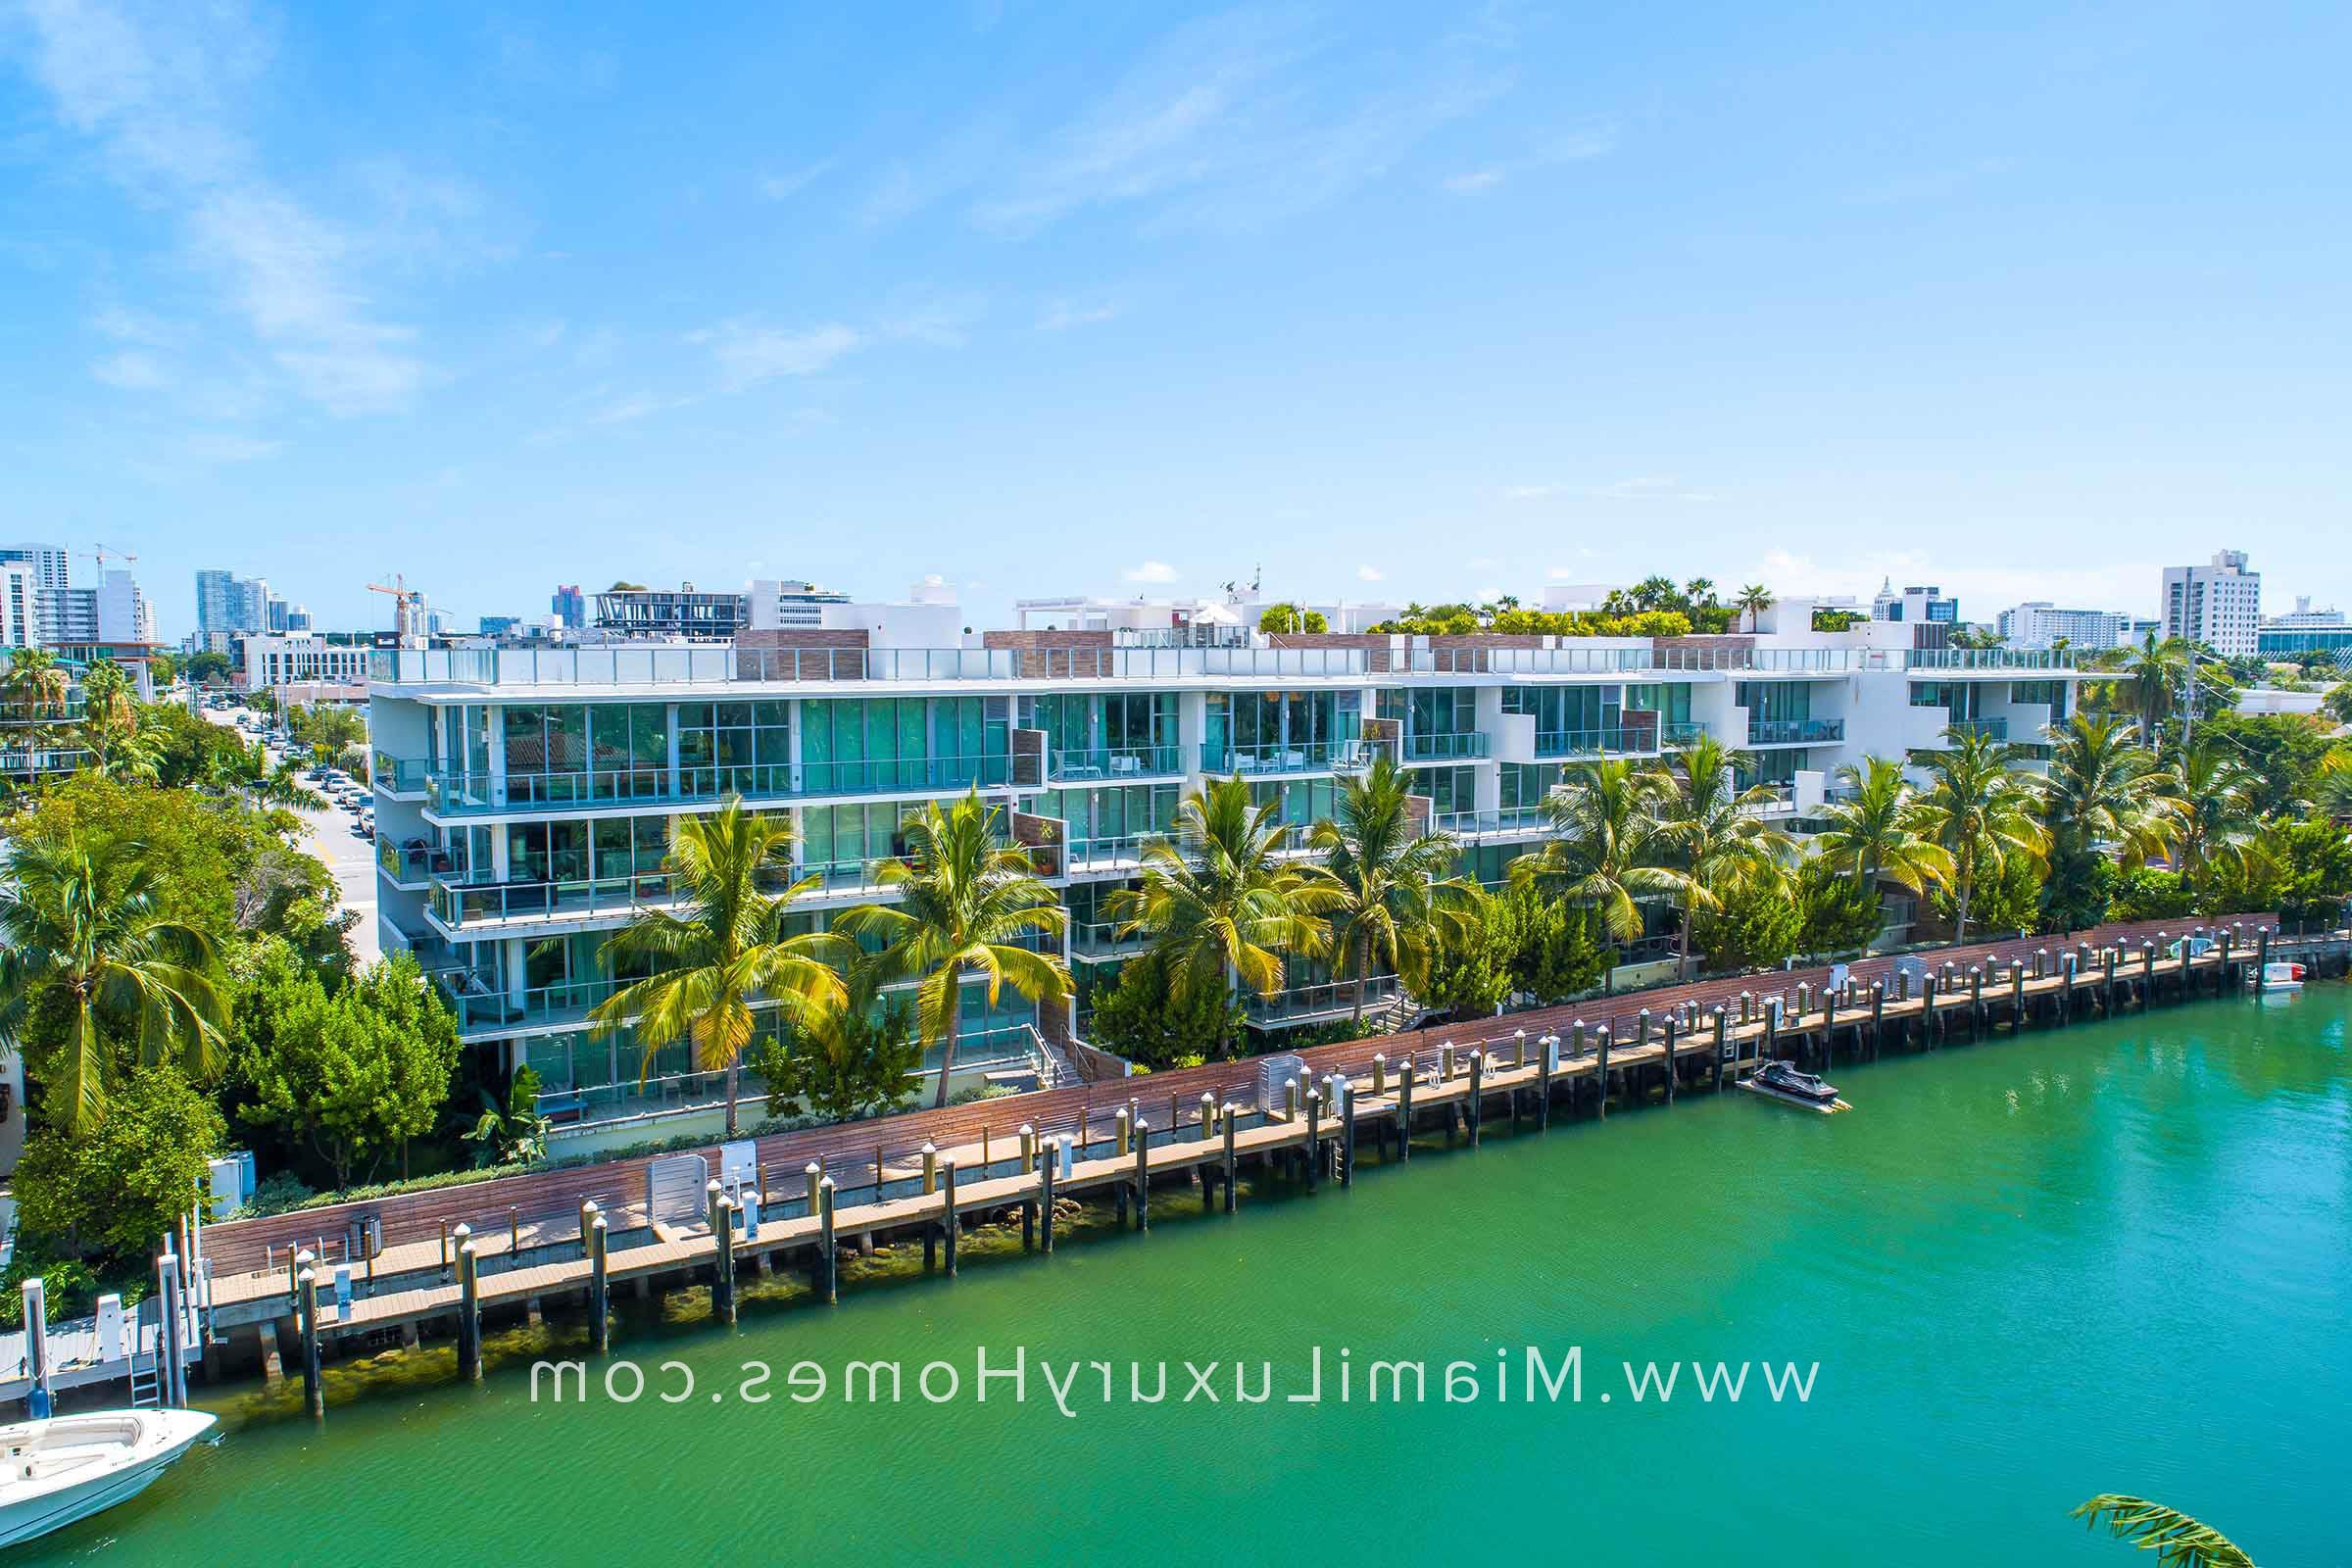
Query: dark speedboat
(1783, 1078)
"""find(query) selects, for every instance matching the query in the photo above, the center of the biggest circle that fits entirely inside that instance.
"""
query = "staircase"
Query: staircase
(1393, 1016)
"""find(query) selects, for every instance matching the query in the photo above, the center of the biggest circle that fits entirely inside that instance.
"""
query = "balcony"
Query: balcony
(1113, 763)
(396, 775)
(1796, 731)
(1991, 729)
(1304, 757)
(412, 862)
(1621, 739)
(461, 903)
(1445, 748)
(1317, 1003)
(1518, 820)
(449, 794)
(1101, 939)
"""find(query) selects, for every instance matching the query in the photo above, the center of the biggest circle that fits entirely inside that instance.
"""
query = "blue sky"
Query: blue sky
(1397, 301)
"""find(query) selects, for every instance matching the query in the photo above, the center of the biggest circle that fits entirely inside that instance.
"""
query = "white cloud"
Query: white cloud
(130, 371)
(1062, 315)
(158, 95)
(1231, 122)
(1369, 574)
(1569, 147)
(214, 446)
(749, 353)
(1666, 488)
(1151, 571)
(778, 187)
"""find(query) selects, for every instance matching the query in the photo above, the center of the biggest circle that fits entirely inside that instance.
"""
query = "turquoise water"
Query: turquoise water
(2112, 1258)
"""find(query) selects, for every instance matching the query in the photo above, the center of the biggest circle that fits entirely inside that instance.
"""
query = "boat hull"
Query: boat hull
(25, 1518)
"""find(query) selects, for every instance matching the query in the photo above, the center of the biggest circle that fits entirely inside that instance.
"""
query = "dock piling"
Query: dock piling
(828, 1255)
(600, 1327)
(469, 1312)
(950, 1222)
(1052, 1160)
(721, 1210)
(314, 1377)
(1230, 1123)
(1404, 1110)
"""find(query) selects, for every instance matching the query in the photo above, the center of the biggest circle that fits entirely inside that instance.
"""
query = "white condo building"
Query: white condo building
(2219, 604)
(2039, 623)
(525, 794)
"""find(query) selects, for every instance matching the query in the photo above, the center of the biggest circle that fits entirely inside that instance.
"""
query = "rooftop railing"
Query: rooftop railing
(669, 665)
(1997, 658)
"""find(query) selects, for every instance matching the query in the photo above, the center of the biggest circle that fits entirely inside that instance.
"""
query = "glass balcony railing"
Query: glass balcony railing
(479, 1004)
(1122, 849)
(1100, 939)
(1113, 763)
(461, 901)
(468, 794)
(1302, 1003)
(1796, 731)
(1623, 740)
(1443, 748)
(418, 859)
(1303, 757)
(1991, 729)
(1471, 824)
(400, 775)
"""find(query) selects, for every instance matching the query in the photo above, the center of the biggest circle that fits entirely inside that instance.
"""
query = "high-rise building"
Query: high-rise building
(569, 606)
(2219, 604)
(298, 618)
(20, 601)
(49, 565)
(229, 602)
(776, 603)
(499, 625)
(2039, 624)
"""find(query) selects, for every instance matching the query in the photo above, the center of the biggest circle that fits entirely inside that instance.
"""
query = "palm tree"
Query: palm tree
(1882, 829)
(966, 901)
(2103, 789)
(82, 931)
(37, 684)
(1603, 845)
(2150, 677)
(721, 949)
(1752, 600)
(251, 775)
(1394, 897)
(1708, 823)
(1980, 810)
(1218, 902)
(2174, 1537)
(2216, 816)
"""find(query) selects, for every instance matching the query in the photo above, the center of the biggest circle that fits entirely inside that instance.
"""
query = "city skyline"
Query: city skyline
(1386, 304)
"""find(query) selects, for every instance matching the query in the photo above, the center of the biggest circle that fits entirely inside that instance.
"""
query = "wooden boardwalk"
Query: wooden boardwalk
(545, 1204)
(1461, 1083)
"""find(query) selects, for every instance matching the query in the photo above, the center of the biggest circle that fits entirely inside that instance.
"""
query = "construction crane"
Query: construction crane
(403, 596)
(102, 555)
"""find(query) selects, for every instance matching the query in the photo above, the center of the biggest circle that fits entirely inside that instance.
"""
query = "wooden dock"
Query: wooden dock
(1312, 1127)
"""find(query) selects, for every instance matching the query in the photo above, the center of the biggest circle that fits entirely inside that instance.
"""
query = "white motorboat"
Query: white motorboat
(2279, 976)
(69, 1467)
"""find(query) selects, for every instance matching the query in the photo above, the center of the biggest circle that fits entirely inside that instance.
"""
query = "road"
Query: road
(327, 835)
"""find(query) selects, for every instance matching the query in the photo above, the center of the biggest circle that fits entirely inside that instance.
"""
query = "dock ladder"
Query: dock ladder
(146, 1381)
